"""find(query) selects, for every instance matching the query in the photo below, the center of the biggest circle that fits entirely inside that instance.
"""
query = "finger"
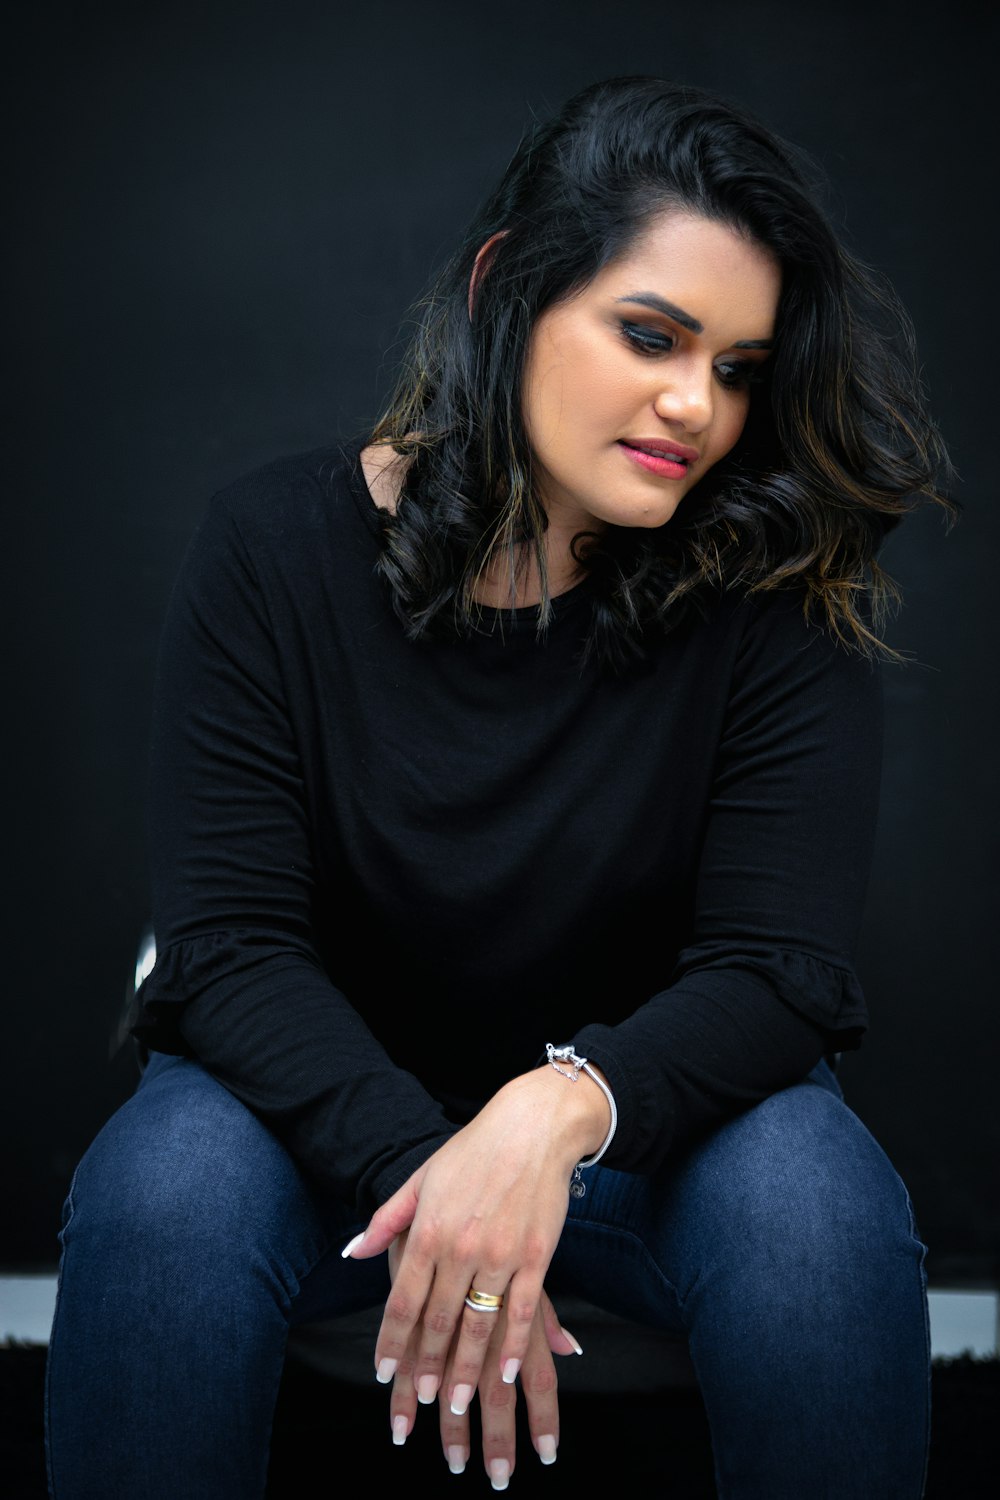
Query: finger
(478, 1330)
(403, 1401)
(497, 1404)
(476, 1334)
(455, 1439)
(520, 1307)
(411, 1276)
(559, 1339)
(540, 1386)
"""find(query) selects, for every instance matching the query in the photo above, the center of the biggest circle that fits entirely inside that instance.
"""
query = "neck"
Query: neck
(503, 587)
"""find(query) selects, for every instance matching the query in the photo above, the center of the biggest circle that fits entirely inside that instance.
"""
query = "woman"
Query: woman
(515, 773)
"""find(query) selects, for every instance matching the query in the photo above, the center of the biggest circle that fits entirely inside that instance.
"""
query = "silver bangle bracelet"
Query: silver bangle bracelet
(578, 1065)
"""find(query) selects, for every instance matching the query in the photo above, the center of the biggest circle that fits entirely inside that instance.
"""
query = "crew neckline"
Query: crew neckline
(494, 619)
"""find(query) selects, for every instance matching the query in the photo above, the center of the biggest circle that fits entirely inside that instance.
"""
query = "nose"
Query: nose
(685, 397)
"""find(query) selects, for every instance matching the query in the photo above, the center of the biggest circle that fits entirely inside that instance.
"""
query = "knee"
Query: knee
(806, 1204)
(182, 1175)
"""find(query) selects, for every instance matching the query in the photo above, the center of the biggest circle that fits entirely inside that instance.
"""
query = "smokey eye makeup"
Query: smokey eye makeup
(647, 340)
(733, 373)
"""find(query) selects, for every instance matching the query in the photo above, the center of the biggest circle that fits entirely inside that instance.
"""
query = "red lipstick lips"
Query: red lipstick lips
(668, 459)
(664, 447)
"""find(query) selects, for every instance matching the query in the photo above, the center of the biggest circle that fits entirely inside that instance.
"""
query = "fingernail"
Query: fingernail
(566, 1334)
(509, 1372)
(499, 1473)
(457, 1460)
(352, 1244)
(460, 1398)
(386, 1370)
(399, 1431)
(547, 1449)
(427, 1389)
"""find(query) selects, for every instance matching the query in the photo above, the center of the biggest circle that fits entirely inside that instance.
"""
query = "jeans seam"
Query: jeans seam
(69, 1209)
(922, 1275)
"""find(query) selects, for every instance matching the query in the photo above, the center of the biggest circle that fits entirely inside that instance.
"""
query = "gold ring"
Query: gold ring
(483, 1301)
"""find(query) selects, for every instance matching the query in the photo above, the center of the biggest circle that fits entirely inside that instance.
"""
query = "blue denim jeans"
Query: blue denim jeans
(783, 1246)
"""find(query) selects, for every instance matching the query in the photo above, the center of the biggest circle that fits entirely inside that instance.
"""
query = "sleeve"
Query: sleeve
(766, 985)
(238, 981)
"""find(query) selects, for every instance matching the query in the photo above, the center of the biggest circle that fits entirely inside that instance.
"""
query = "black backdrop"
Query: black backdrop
(217, 220)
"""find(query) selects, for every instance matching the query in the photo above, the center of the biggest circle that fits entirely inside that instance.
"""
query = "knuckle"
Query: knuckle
(440, 1322)
(500, 1398)
(424, 1243)
(536, 1250)
(493, 1274)
(468, 1243)
(542, 1381)
(399, 1308)
(477, 1329)
(521, 1313)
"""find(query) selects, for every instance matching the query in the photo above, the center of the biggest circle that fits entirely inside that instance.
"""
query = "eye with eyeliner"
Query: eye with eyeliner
(734, 374)
(647, 340)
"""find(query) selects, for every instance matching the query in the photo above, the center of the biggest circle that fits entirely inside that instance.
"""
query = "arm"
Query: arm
(238, 980)
(766, 983)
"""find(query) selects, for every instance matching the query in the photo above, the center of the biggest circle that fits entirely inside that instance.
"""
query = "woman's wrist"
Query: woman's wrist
(561, 1123)
(567, 1062)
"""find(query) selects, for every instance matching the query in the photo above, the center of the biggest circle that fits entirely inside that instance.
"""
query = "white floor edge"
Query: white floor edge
(962, 1322)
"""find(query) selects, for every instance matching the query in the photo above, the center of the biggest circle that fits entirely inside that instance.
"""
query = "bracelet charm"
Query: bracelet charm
(574, 1065)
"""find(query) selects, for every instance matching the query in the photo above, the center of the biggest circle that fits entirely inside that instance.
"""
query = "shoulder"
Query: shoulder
(788, 658)
(294, 494)
(295, 532)
(783, 625)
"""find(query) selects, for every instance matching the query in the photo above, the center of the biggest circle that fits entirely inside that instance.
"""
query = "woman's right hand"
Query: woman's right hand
(486, 1210)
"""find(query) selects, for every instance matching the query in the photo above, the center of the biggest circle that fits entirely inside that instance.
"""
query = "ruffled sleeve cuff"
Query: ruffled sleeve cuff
(827, 994)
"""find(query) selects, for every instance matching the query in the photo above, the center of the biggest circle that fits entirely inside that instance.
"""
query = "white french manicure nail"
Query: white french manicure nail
(353, 1244)
(386, 1370)
(427, 1388)
(456, 1460)
(566, 1334)
(509, 1371)
(399, 1431)
(499, 1473)
(460, 1398)
(547, 1449)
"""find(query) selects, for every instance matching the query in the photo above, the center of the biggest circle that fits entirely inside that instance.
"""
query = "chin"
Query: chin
(647, 517)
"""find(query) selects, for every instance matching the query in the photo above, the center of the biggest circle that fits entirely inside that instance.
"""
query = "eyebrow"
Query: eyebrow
(671, 310)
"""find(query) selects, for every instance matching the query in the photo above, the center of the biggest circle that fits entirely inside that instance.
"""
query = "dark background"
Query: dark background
(216, 222)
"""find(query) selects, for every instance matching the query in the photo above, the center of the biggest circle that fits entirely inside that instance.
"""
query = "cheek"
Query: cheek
(732, 421)
(576, 385)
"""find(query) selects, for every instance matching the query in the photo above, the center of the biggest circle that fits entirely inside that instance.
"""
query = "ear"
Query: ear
(482, 265)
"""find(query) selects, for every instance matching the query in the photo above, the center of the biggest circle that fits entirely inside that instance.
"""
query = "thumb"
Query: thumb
(395, 1215)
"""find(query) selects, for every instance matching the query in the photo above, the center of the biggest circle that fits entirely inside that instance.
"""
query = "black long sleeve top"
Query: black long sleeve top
(385, 872)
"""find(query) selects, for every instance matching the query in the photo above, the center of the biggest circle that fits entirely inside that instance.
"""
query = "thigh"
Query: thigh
(784, 1246)
(185, 1163)
(184, 1171)
(798, 1176)
(190, 1242)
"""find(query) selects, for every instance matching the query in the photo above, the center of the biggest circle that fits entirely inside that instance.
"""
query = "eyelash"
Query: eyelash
(745, 372)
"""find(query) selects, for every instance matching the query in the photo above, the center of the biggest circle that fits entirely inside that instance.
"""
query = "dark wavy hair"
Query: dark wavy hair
(838, 444)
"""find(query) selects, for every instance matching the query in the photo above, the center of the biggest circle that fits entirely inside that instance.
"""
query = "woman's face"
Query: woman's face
(638, 384)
